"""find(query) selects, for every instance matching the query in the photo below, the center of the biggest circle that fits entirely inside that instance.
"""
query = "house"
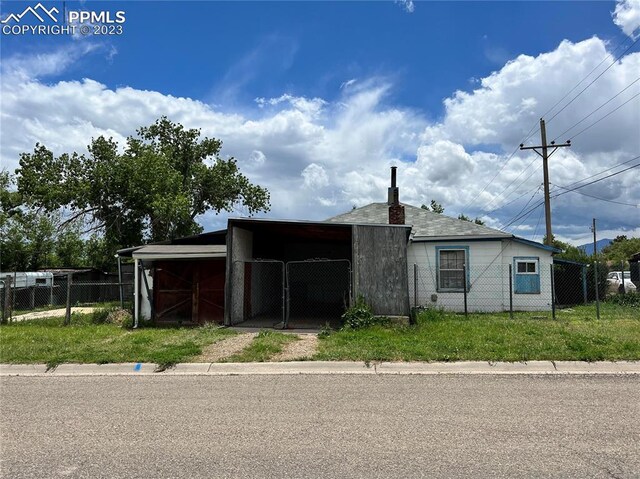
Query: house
(293, 274)
(446, 255)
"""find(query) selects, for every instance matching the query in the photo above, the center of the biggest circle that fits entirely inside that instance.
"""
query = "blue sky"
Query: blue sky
(318, 99)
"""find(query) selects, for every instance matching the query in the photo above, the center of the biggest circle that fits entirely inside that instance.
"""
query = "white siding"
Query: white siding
(488, 275)
(145, 299)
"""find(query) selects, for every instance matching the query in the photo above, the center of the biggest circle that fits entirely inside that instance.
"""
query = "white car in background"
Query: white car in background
(614, 282)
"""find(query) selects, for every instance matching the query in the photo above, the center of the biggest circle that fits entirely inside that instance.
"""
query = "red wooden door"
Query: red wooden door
(190, 292)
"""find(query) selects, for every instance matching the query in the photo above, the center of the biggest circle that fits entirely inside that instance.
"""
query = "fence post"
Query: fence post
(6, 312)
(553, 293)
(33, 297)
(597, 287)
(415, 285)
(510, 292)
(67, 317)
(464, 288)
(622, 274)
(584, 284)
(120, 286)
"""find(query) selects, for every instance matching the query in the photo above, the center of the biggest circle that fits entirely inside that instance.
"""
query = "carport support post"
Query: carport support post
(464, 287)
(553, 293)
(510, 293)
(136, 292)
(67, 316)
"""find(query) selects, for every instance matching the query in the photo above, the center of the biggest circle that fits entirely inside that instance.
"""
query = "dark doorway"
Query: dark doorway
(318, 292)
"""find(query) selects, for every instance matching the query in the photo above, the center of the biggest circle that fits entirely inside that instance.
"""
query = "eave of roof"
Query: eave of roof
(155, 252)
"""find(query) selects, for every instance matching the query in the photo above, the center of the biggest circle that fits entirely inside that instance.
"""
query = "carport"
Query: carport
(299, 274)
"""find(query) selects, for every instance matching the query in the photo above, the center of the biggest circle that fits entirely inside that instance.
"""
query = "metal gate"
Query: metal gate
(318, 292)
(257, 297)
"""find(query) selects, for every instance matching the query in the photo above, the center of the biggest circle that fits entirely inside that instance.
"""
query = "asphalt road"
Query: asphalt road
(320, 426)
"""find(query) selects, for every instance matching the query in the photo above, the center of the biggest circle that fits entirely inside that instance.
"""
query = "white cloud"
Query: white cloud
(319, 158)
(627, 17)
(407, 5)
(315, 177)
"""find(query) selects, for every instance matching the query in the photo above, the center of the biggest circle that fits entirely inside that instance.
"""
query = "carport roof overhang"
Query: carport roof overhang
(159, 252)
(310, 229)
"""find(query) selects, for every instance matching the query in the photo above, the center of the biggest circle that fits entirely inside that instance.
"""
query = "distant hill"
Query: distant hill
(600, 244)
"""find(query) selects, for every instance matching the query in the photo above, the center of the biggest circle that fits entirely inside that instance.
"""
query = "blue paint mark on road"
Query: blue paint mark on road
(137, 367)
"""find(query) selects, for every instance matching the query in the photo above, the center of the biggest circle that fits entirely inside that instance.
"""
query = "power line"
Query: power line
(597, 109)
(573, 189)
(595, 197)
(599, 179)
(608, 114)
(532, 132)
(517, 217)
(515, 199)
(587, 76)
(594, 80)
(512, 182)
(603, 171)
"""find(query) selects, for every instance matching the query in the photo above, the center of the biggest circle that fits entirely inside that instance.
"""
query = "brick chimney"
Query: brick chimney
(396, 210)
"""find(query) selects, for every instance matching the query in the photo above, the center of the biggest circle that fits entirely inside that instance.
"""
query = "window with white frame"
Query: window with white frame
(526, 275)
(451, 269)
(526, 267)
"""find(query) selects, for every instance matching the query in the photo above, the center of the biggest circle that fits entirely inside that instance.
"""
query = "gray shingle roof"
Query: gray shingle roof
(426, 224)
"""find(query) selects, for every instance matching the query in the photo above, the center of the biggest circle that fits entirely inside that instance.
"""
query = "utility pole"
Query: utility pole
(545, 157)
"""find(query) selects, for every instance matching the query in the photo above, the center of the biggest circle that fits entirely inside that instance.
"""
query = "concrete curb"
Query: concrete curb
(326, 367)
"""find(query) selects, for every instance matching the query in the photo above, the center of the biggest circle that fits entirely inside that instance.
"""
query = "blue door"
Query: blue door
(526, 275)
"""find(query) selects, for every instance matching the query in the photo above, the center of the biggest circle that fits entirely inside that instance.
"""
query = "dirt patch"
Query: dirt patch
(227, 347)
(305, 347)
(53, 313)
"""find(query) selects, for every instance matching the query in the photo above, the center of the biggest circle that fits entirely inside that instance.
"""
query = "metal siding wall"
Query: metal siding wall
(380, 268)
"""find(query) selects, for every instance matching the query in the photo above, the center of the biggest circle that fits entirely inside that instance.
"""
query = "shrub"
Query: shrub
(360, 315)
(120, 317)
(100, 316)
(432, 314)
(632, 299)
(114, 315)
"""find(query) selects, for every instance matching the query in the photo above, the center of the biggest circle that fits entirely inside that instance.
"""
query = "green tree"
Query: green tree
(153, 190)
(435, 207)
(621, 249)
(70, 249)
(464, 217)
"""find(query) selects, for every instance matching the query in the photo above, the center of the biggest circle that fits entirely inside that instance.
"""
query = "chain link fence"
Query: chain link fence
(523, 286)
(318, 292)
(21, 294)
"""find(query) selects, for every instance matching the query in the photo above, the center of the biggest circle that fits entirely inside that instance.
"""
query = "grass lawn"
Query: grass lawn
(48, 341)
(574, 335)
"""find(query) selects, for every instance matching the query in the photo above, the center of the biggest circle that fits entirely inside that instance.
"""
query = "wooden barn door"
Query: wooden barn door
(189, 292)
(208, 300)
